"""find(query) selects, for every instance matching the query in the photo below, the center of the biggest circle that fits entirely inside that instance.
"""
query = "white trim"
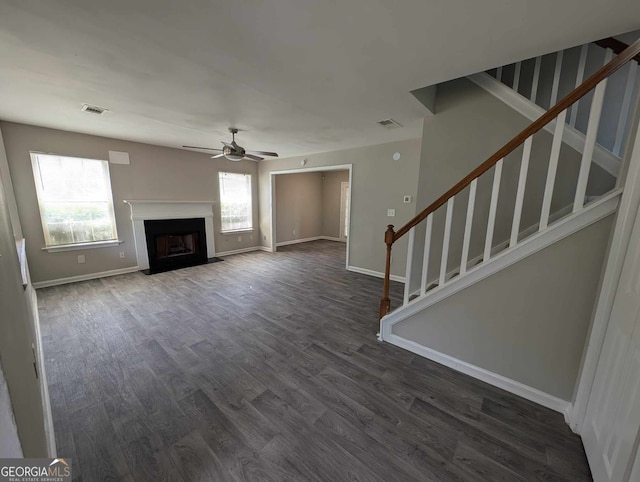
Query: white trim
(243, 250)
(272, 199)
(78, 246)
(306, 240)
(85, 277)
(571, 136)
(377, 274)
(512, 386)
(557, 231)
(629, 205)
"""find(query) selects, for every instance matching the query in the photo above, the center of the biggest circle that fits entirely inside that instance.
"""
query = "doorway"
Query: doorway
(290, 210)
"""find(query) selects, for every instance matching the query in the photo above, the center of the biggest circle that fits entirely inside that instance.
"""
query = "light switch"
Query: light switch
(406, 199)
(81, 259)
(391, 212)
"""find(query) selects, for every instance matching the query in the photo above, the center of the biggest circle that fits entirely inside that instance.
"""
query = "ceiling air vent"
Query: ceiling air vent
(93, 109)
(390, 124)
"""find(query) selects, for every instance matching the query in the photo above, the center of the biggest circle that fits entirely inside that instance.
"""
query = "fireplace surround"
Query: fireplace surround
(144, 210)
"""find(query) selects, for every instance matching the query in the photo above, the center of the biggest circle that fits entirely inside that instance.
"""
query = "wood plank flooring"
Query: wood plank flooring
(266, 367)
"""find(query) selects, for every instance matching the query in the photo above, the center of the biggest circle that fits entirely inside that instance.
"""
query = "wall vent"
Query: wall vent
(390, 123)
(93, 109)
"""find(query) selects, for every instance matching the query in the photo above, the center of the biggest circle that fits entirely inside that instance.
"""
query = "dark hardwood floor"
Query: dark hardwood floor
(266, 367)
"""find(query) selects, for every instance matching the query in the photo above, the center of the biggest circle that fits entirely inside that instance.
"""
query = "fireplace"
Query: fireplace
(175, 243)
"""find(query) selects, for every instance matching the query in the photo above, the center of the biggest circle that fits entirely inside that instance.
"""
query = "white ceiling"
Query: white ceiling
(295, 76)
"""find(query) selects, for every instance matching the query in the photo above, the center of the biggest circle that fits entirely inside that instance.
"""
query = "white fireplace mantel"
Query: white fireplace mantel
(148, 209)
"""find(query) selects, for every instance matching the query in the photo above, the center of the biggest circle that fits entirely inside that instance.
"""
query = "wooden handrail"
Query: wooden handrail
(616, 45)
(625, 55)
(578, 93)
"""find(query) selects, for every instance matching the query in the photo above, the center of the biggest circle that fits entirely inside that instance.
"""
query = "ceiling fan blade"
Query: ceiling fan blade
(217, 156)
(263, 153)
(207, 148)
(255, 158)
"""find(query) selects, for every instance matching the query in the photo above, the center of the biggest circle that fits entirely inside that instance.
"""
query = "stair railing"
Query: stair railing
(596, 82)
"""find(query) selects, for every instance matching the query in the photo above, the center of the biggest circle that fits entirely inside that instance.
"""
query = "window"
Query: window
(74, 194)
(235, 202)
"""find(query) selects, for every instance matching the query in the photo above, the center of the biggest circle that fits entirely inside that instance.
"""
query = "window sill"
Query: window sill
(74, 247)
(235, 231)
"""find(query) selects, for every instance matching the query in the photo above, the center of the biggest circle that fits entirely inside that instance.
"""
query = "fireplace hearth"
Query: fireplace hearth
(175, 243)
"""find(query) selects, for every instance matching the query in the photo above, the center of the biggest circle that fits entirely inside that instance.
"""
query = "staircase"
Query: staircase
(573, 124)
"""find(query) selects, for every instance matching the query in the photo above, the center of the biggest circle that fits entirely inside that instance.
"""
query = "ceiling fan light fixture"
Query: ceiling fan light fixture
(232, 154)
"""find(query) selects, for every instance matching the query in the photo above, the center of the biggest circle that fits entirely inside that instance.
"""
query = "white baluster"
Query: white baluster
(589, 144)
(516, 76)
(624, 111)
(551, 171)
(425, 256)
(522, 182)
(495, 190)
(499, 74)
(582, 62)
(468, 225)
(556, 78)
(407, 276)
(590, 138)
(536, 79)
(446, 240)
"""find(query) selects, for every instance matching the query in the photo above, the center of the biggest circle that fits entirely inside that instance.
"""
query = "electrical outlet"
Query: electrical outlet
(264, 238)
(406, 199)
(122, 255)
(294, 232)
(251, 237)
(391, 212)
(239, 238)
(81, 259)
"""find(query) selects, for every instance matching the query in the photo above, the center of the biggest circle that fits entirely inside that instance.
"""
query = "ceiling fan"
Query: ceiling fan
(234, 152)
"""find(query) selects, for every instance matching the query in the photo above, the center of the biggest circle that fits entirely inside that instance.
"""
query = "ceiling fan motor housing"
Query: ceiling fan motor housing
(233, 154)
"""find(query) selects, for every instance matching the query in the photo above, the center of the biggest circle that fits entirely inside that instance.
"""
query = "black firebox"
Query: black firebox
(175, 243)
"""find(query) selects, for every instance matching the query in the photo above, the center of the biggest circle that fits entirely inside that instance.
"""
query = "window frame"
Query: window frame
(250, 202)
(35, 164)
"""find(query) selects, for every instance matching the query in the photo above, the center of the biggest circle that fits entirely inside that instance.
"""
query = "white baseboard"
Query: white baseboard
(242, 250)
(377, 274)
(84, 277)
(306, 240)
(533, 394)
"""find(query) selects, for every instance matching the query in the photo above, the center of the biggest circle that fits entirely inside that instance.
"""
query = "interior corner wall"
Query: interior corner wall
(331, 199)
(298, 206)
(532, 331)
(155, 173)
(378, 183)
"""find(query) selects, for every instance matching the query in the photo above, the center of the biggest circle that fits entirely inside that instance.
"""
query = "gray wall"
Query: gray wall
(378, 183)
(17, 334)
(331, 197)
(298, 206)
(471, 125)
(158, 173)
(532, 331)
(309, 204)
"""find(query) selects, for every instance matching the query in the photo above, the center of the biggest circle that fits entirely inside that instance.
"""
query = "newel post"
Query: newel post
(385, 302)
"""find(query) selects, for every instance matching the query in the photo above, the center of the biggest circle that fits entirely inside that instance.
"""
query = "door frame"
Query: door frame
(344, 236)
(272, 197)
(612, 270)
